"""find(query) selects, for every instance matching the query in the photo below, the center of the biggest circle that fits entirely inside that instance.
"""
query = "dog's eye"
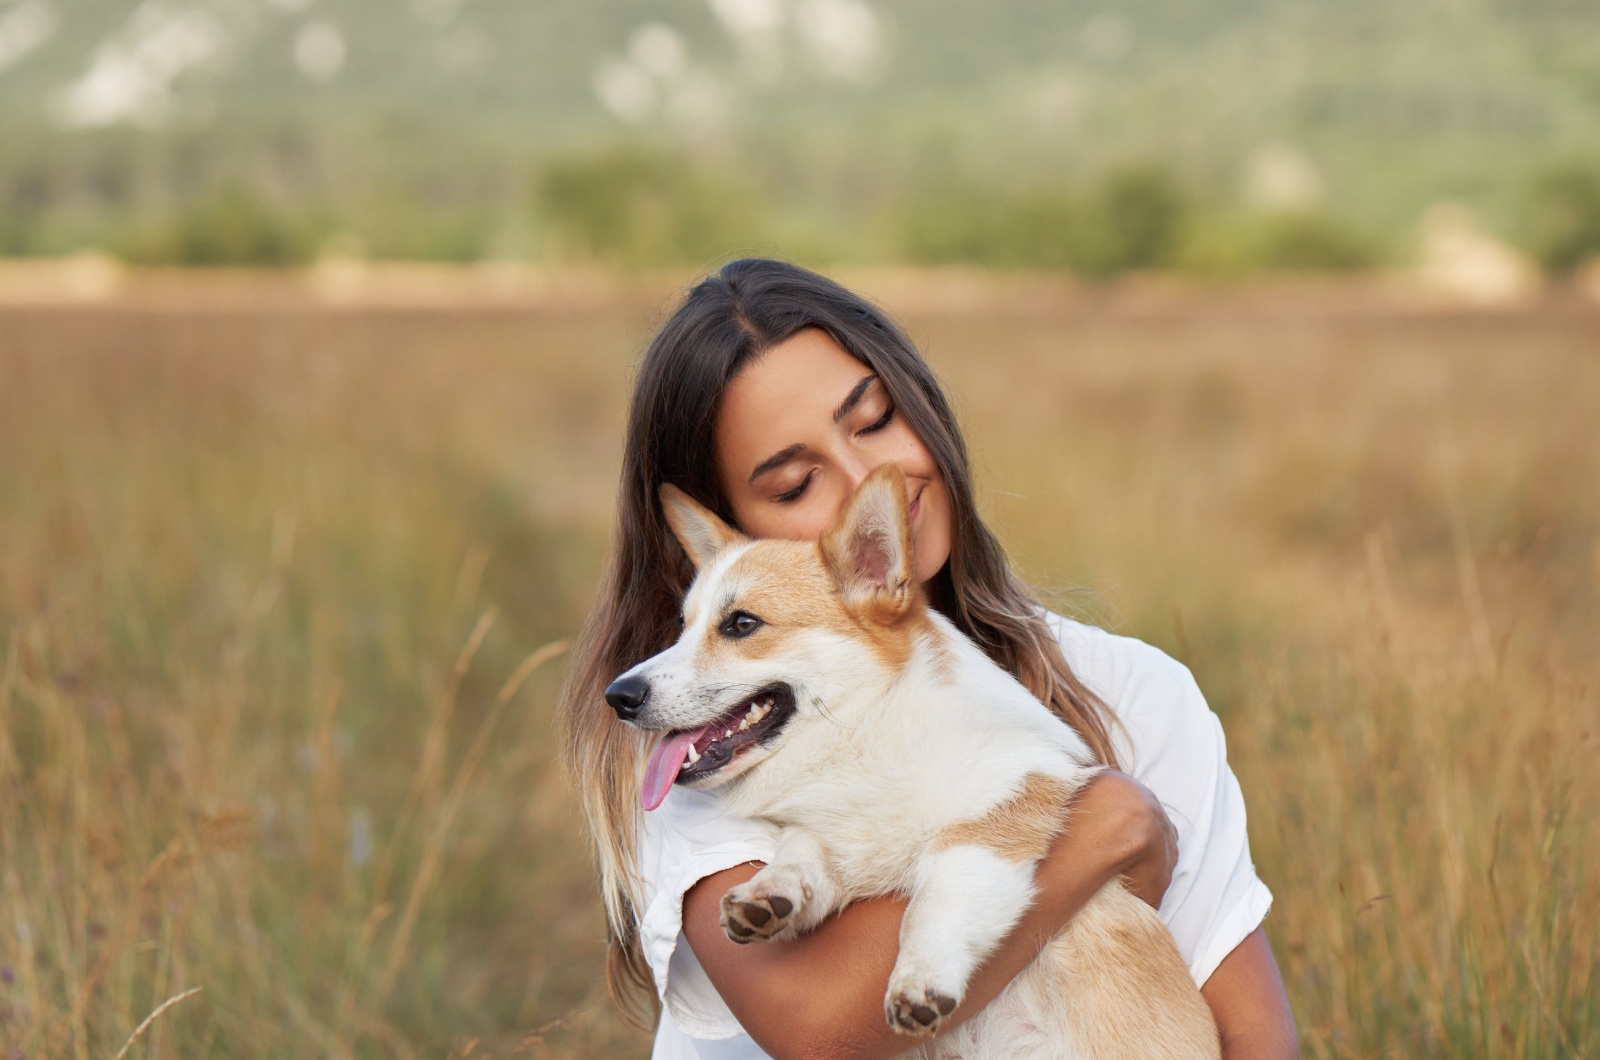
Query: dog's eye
(740, 624)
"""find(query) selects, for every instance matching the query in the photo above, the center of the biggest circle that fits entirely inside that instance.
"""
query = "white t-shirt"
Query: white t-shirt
(1172, 744)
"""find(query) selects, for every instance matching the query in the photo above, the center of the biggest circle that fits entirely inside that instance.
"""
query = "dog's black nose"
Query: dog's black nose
(627, 695)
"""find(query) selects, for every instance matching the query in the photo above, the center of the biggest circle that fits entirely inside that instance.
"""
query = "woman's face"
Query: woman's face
(800, 427)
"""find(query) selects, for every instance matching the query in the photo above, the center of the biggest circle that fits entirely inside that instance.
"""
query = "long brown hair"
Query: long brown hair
(727, 319)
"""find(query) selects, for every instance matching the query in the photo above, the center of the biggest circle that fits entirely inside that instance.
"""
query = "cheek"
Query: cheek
(908, 451)
(934, 534)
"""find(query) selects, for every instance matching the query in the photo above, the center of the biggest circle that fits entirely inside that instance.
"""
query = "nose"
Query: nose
(856, 473)
(856, 468)
(628, 695)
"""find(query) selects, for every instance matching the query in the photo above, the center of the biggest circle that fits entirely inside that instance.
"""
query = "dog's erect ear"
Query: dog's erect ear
(868, 551)
(696, 527)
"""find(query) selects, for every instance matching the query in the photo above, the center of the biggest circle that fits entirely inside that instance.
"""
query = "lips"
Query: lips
(694, 754)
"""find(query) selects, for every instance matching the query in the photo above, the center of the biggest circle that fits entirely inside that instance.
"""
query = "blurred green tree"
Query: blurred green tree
(1309, 240)
(230, 225)
(636, 207)
(1222, 242)
(1564, 216)
(1132, 218)
(27, 195)
(948, 225)
(1040, 229)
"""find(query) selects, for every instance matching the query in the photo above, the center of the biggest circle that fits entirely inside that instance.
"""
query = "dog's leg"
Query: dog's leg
(964, 900)
(789, 897)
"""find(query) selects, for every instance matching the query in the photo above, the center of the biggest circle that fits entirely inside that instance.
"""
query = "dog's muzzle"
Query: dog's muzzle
(627, 696)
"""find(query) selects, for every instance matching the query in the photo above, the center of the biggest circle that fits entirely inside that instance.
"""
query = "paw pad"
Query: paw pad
(920, 1013)
(753, 916)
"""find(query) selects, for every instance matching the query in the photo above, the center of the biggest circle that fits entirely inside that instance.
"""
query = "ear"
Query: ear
(868, 551)
(697, 529)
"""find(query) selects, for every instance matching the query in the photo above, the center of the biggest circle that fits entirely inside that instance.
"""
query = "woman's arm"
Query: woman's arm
(821, 995)
(1246, 995)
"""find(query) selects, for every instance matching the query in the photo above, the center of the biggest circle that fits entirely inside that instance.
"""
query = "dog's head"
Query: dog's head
(775, 633)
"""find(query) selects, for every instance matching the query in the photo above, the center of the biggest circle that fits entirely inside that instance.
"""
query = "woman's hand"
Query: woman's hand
(821, 995)
(1245, 991)
(1149, 830)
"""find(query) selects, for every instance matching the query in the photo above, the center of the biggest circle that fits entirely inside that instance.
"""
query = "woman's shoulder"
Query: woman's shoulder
(1154, 696)
(1110, 663)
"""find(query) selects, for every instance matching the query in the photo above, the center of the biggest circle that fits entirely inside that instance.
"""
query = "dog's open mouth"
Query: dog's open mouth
(692, 754)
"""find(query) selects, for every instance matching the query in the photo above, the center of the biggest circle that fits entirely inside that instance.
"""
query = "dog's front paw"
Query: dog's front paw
(766, 906)
(917, 1008)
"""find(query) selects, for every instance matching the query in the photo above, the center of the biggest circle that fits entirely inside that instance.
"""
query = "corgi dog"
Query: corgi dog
(813, 686)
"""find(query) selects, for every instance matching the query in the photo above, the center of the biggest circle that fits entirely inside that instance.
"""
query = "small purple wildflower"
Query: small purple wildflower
(7, 976)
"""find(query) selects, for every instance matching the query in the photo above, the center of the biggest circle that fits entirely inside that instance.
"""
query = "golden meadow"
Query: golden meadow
(283, 589)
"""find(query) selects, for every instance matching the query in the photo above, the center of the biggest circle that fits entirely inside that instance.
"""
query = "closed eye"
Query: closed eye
(784, 498)
(880, 423)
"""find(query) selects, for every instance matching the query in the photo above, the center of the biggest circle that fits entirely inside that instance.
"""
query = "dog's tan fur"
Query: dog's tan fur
(800, 595)
(1022, 827)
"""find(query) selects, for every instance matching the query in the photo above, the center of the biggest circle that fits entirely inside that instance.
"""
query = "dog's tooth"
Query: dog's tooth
(745, 724)
(694, 756)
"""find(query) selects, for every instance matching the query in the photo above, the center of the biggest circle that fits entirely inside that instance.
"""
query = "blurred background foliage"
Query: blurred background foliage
(1222, 136)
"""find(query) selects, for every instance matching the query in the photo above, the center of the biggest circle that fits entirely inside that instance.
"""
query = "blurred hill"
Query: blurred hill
(1276, 131)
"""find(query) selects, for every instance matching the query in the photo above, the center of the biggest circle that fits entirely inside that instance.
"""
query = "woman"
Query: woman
(767, 396)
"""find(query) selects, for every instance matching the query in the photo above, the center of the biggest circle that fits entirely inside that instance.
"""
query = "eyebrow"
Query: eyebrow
(784, 455)
(852, 399)
(778, 459)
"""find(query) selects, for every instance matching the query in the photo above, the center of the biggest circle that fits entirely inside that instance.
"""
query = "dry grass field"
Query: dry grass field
(278, 583)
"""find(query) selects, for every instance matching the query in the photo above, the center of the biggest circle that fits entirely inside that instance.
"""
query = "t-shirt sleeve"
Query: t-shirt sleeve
(691, 836)
(1174, 745)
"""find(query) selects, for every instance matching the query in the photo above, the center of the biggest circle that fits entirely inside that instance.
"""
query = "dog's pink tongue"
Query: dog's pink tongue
(665, 762)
